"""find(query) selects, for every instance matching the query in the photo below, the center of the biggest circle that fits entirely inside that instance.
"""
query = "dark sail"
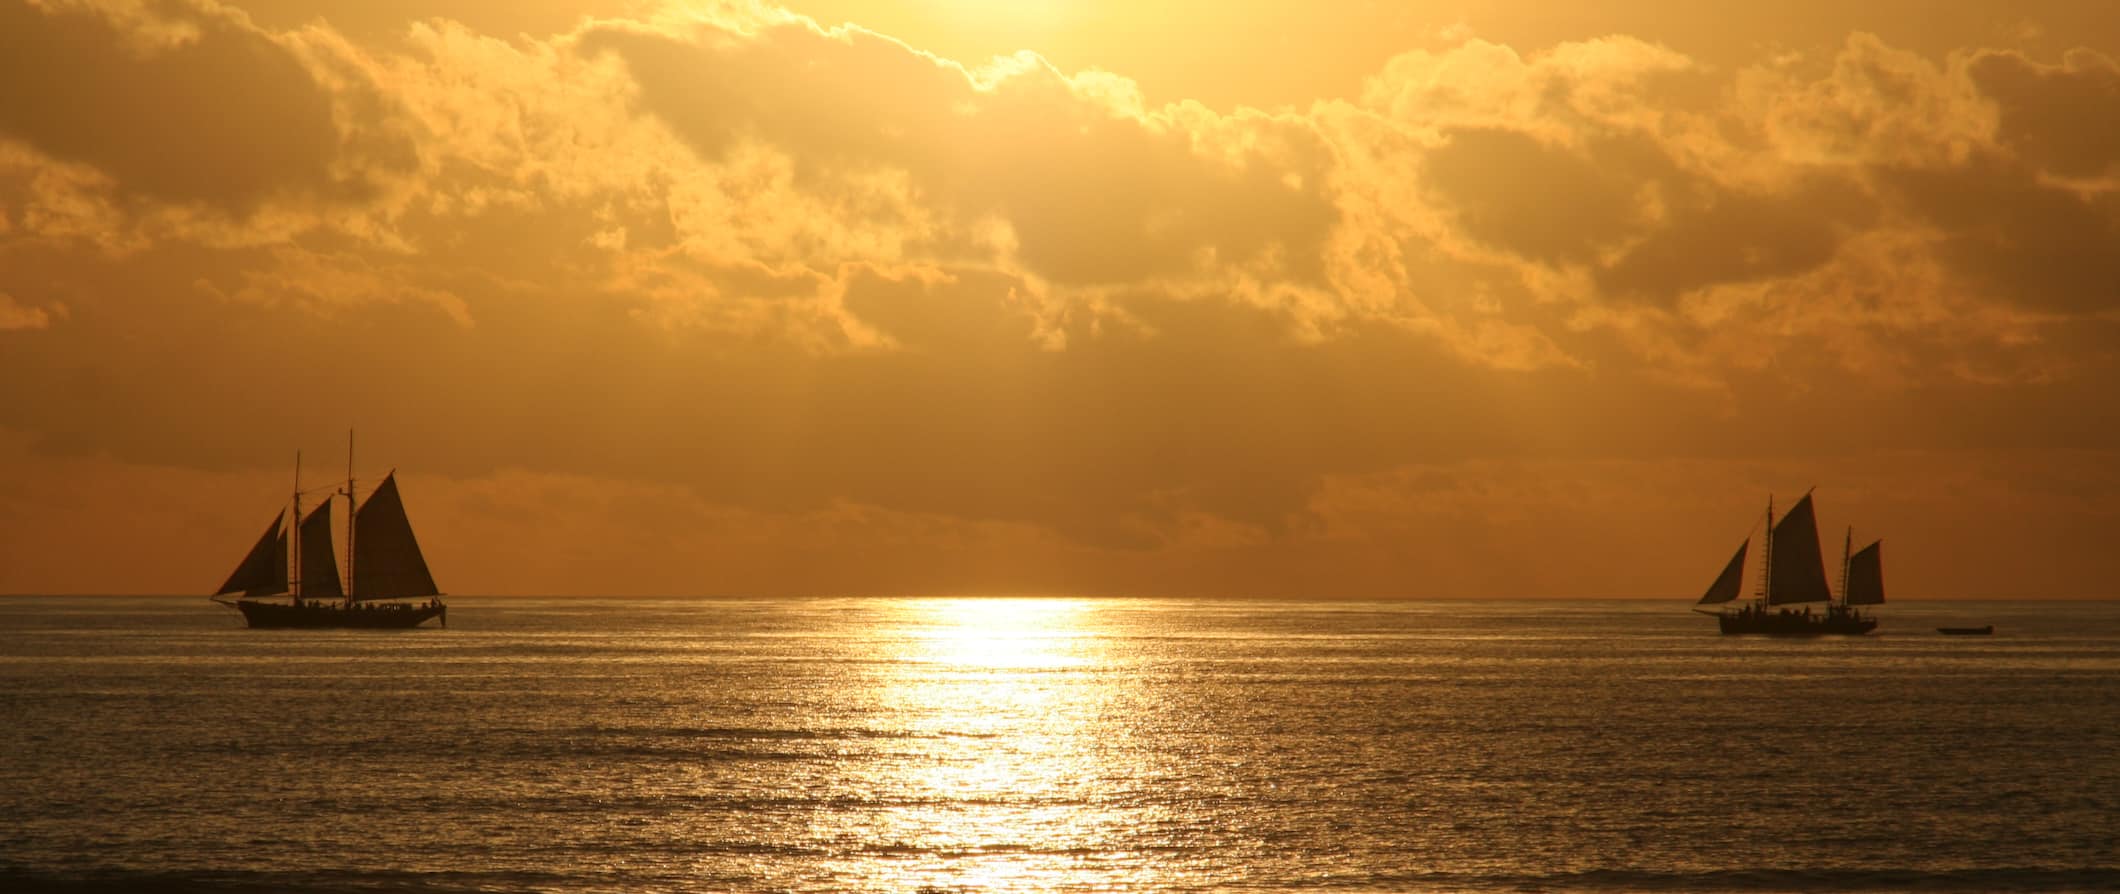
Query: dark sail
(265, 569)
(386, 557)
(320, 571)
(1725, 587)
(1799, 570)
(1866, 576)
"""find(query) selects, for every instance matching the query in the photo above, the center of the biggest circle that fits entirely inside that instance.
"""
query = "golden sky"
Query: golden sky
(1441, 298)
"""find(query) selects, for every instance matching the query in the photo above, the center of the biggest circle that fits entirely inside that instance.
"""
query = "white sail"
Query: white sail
(320, 571)
(264, 570)
(1798, 569)
(386, 557)
(1727, 584)
(1866, 576)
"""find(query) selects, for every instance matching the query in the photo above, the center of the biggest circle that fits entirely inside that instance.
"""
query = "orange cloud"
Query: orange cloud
(739, 272)
(15, 315)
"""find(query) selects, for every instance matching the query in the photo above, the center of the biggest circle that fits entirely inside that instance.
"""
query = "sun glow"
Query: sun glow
(1001, 634)
(1018, 17)
(968, 31)
(1006, 707)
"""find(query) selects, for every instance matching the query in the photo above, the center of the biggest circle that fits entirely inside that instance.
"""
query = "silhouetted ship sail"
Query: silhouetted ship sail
(1793, 574)
(386, 585)
(1865, 584)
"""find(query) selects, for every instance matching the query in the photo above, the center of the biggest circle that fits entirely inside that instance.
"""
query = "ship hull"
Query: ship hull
(338, 615)
(1758, 623)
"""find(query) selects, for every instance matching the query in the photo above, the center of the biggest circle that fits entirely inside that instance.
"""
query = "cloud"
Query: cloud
(1608, 84)
(1091, 187)
(183, 103)
(2035, 244)
(1873, 105)
(327, 283)
(2055, 117)
(735, 271)
(1547, 203)
(15, 315)
(1733, 237)
(1637, 207)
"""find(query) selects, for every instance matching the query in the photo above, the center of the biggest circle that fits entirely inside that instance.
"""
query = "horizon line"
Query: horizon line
(1099, 596)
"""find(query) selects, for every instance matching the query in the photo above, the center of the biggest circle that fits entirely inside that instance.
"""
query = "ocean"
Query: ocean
(959, 745)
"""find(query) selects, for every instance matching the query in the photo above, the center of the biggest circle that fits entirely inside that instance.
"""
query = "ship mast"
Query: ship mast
(1766, 574)
(1847, 553)
(349, 518)
(294, 544)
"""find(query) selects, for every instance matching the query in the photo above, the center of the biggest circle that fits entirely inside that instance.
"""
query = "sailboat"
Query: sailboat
(1792, 573)
(294, 581)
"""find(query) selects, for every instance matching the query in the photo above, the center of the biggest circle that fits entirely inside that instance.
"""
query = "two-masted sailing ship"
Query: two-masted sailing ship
(1793, 580)
(294, 581)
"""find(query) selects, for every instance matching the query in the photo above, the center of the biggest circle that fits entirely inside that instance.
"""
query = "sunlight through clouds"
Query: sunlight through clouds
(980, 271)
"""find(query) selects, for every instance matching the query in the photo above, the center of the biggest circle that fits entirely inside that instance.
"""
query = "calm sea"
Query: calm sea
(1069, 745)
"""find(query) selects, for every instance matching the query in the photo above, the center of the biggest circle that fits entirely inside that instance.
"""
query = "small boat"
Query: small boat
(1792, 573)
(1966, 631)
(294, 581)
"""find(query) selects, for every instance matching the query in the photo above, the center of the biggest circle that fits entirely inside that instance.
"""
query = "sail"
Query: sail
(386, 557)
(1725, 587)
(1798, 573)
(1866, 576)
(264, 570)
(320, 571)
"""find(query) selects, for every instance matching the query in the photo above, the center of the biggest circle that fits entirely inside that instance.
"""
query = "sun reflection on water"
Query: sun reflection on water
(1004, 703)
(999, 634)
